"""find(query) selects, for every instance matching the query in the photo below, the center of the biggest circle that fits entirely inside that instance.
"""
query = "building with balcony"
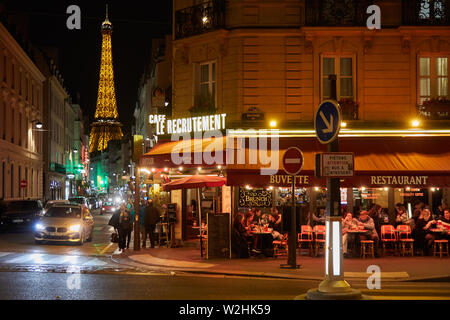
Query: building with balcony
(21, 108)
(266, 65)
(274, 58)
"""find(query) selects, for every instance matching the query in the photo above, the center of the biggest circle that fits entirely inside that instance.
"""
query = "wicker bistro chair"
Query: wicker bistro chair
(405, 240)
(367, 248)
(306, 237)
(440, 247)
(280, 247)
(319, 239)
(388, 238)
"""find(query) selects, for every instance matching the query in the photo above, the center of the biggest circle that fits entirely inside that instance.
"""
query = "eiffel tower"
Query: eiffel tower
(105, 126)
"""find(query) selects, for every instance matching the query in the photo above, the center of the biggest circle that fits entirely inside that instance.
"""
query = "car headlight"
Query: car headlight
(103, 209)
(40, 226)
(75, 228)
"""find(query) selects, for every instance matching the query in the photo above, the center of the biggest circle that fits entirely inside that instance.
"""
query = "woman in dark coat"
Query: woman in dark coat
(125, 227)
(239, 245)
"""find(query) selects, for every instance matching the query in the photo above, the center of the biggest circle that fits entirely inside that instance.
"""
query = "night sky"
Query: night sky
(135, 23)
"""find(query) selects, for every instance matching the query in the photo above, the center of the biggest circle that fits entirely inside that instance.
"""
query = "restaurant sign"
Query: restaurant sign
(252, 198)
(398, 180)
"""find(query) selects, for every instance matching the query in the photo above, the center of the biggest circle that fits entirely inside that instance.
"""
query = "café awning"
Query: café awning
(379, 162)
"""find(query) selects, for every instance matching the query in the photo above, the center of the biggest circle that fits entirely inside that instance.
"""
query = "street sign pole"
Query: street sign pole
(292, 239)
(137, 191)
(292, 164)
(333, 286)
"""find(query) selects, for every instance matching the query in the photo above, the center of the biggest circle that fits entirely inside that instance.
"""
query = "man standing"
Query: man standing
(151, 216)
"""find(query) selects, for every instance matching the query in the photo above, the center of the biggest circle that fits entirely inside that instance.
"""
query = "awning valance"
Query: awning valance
(379, 161)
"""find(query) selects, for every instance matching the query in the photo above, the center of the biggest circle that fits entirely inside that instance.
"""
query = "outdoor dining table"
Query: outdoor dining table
(355, 233)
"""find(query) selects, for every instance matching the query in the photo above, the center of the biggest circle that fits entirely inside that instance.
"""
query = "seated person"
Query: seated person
(444, 224)
(367, 223)
(422, 237)
(348, 223)
(402, 216)
(239, 244)
(319, 219)
(275, 227)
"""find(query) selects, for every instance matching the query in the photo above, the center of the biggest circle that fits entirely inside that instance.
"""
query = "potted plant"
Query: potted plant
(435, 108)
(349, 109)
(203, 105)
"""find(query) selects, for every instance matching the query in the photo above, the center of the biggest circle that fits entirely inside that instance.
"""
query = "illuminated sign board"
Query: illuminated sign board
(187, 125)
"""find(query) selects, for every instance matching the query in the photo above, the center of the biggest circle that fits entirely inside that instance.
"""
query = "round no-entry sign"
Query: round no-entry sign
(23, 183)
(292, 161)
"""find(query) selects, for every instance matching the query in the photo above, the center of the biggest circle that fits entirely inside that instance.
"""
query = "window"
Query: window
(343, 67)
(20, 128)
(206, 81)
(12, 181)
(12, 124)
(433, 78)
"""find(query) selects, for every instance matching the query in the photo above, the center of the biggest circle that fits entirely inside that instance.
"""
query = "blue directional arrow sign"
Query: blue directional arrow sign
(327, 121)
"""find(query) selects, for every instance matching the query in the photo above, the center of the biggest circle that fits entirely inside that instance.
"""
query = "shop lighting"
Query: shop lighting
(166, 169)
(273, 124)
(153, 169)
(180, 168)
(166, 103)
(343, 124)
(270, 188)
(205, 19)
(408, 189)
(415, 123)
(386, 188)
(145, 170)
(433, 189)
(363, 188)
(199, 168)
(219, 167)
(316, 188)
(247, 187)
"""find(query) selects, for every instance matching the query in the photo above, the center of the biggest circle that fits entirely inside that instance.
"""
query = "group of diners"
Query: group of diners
(255, 231)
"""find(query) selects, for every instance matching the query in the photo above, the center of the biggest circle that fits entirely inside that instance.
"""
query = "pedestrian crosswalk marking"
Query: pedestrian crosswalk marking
(48, 259)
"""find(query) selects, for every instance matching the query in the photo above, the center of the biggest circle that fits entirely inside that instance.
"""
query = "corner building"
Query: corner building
(266, 64)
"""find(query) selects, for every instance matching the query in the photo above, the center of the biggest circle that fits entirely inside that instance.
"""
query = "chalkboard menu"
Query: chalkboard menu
(251, 198)
(218, 245)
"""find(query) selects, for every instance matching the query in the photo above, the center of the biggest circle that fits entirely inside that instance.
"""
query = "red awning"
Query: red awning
(195, 181)
(379, 161)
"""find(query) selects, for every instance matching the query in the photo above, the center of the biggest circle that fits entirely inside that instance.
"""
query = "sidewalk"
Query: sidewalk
(188, 259)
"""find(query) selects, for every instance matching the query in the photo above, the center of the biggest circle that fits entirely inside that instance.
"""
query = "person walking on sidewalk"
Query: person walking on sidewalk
(125, 228)
(151, 218)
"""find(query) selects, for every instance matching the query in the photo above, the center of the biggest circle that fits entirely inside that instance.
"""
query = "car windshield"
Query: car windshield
(108, 203)
(77, 200)
(64, 212)
(22, 205)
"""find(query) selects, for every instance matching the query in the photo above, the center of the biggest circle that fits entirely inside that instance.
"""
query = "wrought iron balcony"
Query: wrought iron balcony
(199, 19)
(426, 12)
(336, 12)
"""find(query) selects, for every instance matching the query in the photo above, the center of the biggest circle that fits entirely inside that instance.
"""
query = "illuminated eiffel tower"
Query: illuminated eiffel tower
(105, 126)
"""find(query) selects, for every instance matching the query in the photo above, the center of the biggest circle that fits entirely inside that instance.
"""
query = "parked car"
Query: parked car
(65, 222)
(108, 207)
(51, 203)
(79, 200)
(21, 212)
